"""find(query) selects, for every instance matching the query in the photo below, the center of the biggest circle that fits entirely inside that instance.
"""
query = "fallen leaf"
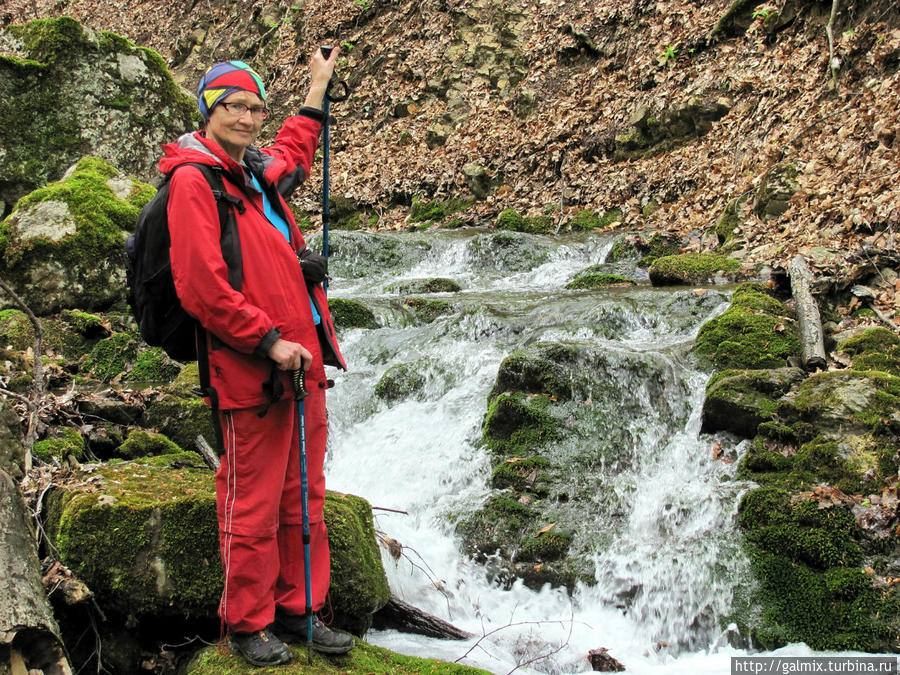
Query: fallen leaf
(544, 529)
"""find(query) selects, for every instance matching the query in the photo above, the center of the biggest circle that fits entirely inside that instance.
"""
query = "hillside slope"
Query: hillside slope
(675, 111)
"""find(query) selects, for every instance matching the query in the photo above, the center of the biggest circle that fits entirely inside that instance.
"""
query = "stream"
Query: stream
(659, 516)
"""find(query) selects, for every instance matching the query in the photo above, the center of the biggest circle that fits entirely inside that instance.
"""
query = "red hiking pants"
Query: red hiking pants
(260, 512)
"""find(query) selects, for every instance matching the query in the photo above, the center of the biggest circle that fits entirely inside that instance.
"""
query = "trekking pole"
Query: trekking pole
(301, 393)
(326, 149)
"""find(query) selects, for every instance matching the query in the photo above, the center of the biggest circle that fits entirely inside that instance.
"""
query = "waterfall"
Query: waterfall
(662, 509)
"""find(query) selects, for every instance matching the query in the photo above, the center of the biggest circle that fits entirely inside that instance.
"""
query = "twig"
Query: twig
(38, 390)
(510, 625)
(550, 653)
(384, 508)
(832, 61)
(208, 454)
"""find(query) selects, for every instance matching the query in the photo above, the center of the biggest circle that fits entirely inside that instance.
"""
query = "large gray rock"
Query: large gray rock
(74, 92)
(62, 247)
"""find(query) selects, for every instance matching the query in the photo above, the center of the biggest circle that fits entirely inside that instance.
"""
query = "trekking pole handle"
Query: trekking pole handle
(334, 81)
(297, 379)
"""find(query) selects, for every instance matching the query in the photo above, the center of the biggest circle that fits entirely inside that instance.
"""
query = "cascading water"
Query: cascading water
(659, 510)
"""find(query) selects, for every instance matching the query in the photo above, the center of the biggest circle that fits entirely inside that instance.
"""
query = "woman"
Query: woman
(262, 318)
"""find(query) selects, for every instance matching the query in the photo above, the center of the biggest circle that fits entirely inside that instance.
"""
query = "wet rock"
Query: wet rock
(351, 314)
(603, 662)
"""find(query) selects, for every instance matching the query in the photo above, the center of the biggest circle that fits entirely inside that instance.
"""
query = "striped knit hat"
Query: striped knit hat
(222, 80)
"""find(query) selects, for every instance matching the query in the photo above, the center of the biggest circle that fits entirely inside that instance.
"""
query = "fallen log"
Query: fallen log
(401, 616)
(813, 344)
(29, 635)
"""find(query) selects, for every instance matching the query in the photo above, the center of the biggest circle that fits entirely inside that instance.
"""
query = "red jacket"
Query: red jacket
(272, 300)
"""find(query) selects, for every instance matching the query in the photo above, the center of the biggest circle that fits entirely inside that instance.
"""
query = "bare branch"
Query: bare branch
(832, 61)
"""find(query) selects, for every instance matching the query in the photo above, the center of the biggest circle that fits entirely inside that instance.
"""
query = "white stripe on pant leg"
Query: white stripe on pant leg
(230, 495)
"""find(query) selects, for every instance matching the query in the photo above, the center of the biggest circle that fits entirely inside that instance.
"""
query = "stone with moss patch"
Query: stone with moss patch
(63, 244)
(142, 443)
(660, 245)
(756, 331)
(112, 356)
(585, 219)
(810, 587)
(64, 442)
(153, 365)
(740, 400)
(363, 658)
(145, 540)
(399, 382)
(427, 310)
(58, 334)
(431, 285)
(115, 87)
(693, 268)
(436, 210)
(351, 314)
(590, 278)
(181, 419)
(874, 349)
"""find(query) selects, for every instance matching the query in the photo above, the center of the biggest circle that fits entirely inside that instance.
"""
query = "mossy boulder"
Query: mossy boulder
(810, 585)
(660, 244)
(153, 366)
(145, 540)
(356, 255)
(363, 658)
(585, 219)
(71, 334)
(510, 219)
(431, 285)
(427, 310)
(506, 251)
(351, 314)
(844, 403)
(359, 586)
(181, 419)
(756, 331)
(653, 132)
(62, 246)
(436, 210)
(142, 443)
(592, 277)
(693, 268)
(543, 368)
(63, 442)
(113, 356)
(874, 349)
(79, 92)
(400, 382)
(740, 400)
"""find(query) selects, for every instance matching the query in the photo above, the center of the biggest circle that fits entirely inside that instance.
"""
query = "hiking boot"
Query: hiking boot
(292, 628)
(260, 648)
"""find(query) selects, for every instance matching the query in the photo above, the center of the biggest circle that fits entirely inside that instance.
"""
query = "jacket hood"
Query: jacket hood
(195, 147)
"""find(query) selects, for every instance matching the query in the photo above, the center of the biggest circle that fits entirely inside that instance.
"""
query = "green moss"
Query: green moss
(181, 419)
(658, 246)
(523, 474)
(837, 391)
(359, 585)
(436, 210)
(876, 339)
(551, 545)
(690, 268)
(515, 424)
(112, 356)
(174, 460)
(351, 314)
(589, 280)
(510, 219)
(755, 331)
(427, 310)
(432, 285)
(153, 365)
(614, 215)
(364, 658)
(585, 220)
(399, 382)
(66, 442)
(625, 248)
(144, 539)
(141, 443)
(542, 368)
(85, 323)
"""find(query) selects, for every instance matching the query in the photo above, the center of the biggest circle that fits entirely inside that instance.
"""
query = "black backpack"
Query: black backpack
(151, 290)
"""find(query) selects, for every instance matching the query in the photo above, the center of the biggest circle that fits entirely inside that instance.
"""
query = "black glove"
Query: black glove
(314, 266)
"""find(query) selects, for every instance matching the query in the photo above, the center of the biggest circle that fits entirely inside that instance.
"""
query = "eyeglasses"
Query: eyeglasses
(238, 109)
